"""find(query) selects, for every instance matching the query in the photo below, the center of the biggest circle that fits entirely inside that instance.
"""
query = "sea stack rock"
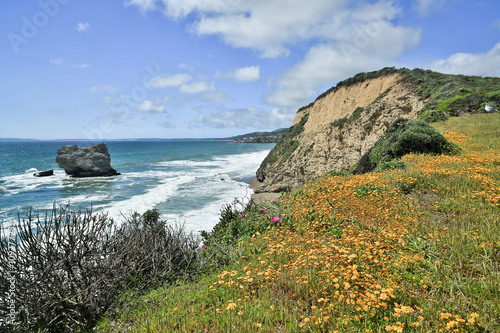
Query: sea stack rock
(91, 161)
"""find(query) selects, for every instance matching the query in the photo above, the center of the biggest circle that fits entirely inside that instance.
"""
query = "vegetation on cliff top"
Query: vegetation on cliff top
(449, 95)
(404, 250)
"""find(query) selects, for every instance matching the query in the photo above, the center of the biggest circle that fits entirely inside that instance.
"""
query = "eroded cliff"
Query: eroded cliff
(344, 123)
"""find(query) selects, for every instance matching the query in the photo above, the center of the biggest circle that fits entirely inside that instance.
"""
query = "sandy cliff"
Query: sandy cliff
(326, 144)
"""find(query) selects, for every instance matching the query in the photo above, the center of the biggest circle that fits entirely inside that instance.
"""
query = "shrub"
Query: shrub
(237, 221)
(69, 268)
(404, 137)
(419, 137)
(433, 116)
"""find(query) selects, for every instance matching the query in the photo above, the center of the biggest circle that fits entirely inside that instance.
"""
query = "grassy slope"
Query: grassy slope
(411, 250)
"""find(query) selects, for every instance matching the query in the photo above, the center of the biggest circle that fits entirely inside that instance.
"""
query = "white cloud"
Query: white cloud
(156, 106)
(246, 118)
(324, 65)
(144, 5)
(425, 7)
(164, 81)
(81, 27)
(266, 26)
(196, 87)
(482, 64)
(245, 74)
(340, 38)
(107, 88)
(82, 66)
(57, 61)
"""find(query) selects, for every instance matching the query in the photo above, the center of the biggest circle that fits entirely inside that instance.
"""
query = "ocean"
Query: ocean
(188, 181)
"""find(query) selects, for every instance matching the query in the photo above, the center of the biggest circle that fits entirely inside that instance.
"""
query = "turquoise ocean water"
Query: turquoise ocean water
(187, 181)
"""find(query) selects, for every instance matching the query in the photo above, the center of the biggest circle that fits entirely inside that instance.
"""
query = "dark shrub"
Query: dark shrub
(67, 269)
(404, 137)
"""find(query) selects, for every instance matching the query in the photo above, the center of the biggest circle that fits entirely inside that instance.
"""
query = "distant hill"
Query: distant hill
(15, 140)
(260, 137)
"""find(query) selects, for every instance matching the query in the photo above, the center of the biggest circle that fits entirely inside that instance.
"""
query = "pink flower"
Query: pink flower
(203, 246)
(266, 211)
(240, 215)
(276, 219)
(286, 199)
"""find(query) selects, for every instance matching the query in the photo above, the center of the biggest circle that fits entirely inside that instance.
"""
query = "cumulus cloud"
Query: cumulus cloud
(148, 106)
(244, 74)
(253, 24)
(366, 40)
(341, 38)
(81, 27)
(482, 64)
(196, 87)
(164, 81)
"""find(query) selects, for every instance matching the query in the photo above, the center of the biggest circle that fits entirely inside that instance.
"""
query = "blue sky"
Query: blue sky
(199, 69)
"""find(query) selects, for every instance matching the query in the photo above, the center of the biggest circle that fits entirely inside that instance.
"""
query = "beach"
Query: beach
(260, 197)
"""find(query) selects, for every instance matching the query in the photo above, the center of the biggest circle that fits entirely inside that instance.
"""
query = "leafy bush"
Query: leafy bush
(432, 116)
(418, 137)
(339, 123)
(390, 165)
(238, 221)
(404, 137)
(68, 268)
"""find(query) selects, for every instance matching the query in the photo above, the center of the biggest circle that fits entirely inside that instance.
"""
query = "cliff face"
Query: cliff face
(334, 132)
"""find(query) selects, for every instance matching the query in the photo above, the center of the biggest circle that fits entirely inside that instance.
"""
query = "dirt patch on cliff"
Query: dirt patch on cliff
(343, 101)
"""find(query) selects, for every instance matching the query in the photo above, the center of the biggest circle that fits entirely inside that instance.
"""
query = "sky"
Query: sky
(117, 69)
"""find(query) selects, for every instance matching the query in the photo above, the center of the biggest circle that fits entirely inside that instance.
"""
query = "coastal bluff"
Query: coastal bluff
(91, 161)
(343, 124)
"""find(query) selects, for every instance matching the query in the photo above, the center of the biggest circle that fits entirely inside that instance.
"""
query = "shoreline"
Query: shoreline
(261, 197)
